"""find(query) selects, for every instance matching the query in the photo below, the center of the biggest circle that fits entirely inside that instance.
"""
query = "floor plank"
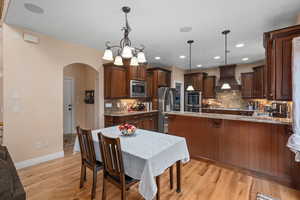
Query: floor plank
(59, 180)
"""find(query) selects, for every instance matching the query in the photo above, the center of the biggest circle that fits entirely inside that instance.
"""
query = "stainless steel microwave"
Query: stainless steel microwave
(138, 88)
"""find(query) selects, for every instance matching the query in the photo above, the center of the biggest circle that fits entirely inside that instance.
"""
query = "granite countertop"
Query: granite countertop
(123, 114)
(271, 120)
(229, 109)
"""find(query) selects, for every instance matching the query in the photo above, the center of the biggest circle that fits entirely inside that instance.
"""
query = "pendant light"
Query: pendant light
(226, 86)
(125, 49)
(190, 42)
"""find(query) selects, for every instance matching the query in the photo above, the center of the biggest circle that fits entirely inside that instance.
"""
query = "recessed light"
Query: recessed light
(245, 59)
(182, 57)
(240, 45)
(199, 65)
(217, 57)
(33, 8)
(157, 58)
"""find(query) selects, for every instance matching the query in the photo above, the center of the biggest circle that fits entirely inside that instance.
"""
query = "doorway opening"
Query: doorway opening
(80, 101)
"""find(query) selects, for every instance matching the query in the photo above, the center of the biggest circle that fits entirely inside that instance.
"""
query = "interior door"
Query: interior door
(68, 106)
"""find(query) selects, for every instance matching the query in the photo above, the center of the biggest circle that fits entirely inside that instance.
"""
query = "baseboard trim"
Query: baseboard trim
(38, 160)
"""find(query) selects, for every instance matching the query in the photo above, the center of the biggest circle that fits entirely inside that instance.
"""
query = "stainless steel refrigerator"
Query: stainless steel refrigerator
(166, 103)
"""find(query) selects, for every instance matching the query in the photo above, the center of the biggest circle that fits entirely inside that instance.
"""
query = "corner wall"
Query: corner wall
(33, 91)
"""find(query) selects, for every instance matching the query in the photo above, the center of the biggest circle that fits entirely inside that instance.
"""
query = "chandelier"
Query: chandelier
(124, 49)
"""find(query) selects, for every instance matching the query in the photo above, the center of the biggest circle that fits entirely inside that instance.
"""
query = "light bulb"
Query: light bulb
(127, 52)
(108, 55)
(190, 88)
(118, 61)
(134, 61)
(225, 86)
(141, 57)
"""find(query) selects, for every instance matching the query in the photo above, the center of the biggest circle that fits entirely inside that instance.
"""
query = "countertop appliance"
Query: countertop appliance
(138, 88)
(193, 101)
(166, 103)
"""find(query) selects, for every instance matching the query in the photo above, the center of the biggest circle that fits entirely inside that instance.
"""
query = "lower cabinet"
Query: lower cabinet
(146, 121)
(258, 147)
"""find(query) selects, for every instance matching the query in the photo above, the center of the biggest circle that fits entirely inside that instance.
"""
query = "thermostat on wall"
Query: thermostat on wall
(30, 38)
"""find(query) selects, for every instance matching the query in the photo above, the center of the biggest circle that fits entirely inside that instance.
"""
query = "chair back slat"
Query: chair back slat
(111, 155)
(86, 146)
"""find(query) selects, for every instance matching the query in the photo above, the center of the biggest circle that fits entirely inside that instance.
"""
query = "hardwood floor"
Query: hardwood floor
(59, 179)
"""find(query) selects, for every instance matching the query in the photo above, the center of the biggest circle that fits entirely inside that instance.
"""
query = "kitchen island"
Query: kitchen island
(254, 144)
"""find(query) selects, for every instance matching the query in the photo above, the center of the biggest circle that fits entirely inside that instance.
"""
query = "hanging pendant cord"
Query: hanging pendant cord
(226, 49)
(190, 57)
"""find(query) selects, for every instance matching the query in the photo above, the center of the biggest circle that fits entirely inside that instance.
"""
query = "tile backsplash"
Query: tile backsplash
(119, 105)
(227, 99)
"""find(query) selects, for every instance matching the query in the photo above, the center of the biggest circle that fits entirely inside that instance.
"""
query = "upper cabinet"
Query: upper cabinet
(156, 78)
(258, 82)
(278, 45)
(115, 81)
(247, 84)
(137, 72)
(209, 87)
(196, 80)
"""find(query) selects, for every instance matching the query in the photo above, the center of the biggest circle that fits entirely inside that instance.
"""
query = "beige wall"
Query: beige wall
(84, 79)
(298, 19)
(33, 88)
(1, 76)
(177, 75)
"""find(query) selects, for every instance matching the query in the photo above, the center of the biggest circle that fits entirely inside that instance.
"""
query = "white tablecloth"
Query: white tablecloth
(146, 155)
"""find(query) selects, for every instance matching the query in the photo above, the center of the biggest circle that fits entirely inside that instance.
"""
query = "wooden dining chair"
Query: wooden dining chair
(88, 157)
(114, 167)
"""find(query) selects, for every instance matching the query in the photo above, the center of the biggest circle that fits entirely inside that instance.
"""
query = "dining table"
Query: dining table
(146, 155)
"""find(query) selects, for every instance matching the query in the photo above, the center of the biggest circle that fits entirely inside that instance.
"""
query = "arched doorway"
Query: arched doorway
(80, 100)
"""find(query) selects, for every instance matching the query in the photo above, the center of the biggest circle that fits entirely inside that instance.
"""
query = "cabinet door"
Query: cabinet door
(142, 73)
(133, 72)
(209, 87)
(162, 78)
(187, 81)
(247, 84)
(258, 82)
(149, 81)
(118, 82)
(283, 68)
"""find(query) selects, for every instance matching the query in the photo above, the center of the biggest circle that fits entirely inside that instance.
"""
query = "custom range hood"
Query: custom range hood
(227, 79)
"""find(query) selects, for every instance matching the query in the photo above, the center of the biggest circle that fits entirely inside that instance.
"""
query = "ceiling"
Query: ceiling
(157, 23)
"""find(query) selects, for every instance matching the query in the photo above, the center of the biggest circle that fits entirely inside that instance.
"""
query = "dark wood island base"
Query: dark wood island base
(254, 147)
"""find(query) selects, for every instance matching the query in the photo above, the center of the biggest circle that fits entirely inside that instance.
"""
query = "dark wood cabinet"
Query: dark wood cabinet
(278, 45)
(258, 82)
(259, 148)
(156, 78)
(195, 79)
(147, 121)
(137, 72)
(115, 81)
(209, 89)
(149, 82)
(247, 85)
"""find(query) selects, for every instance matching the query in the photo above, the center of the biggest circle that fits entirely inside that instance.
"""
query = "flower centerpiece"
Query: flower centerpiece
(127, 129)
